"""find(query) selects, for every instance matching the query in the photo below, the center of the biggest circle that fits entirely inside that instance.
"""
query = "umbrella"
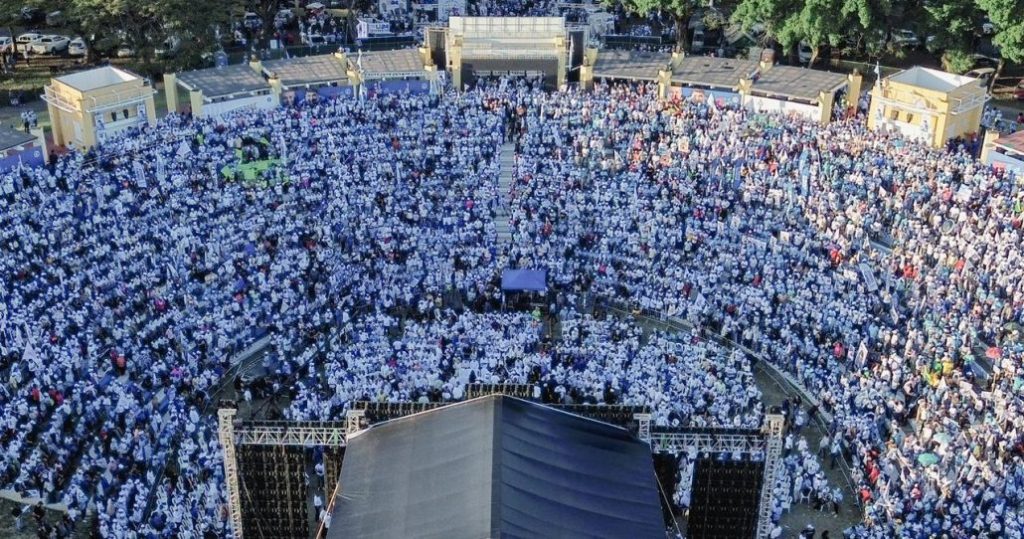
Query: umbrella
(941, 438)
(315, 6)
(993, 352)
(927, 459)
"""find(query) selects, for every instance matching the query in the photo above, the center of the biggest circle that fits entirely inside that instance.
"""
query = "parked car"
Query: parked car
(28, 37)
(698, 40)
(983, 73)
(284, 17)
(168, 48)
(984, 60)
(124, 51)
(50, 44)
(987, 27)
(804, 52)
(55, 18)
(905, 38)
(252, 21)
(77, 47)
(6, 44)
(31, 14)
(314, 39)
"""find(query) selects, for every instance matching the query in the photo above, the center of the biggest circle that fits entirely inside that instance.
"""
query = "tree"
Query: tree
(818, 22)
(957, 61)
(679, 10)
(143, 26)
(769, 16)
(1008, 18)
(266, 10)
(952, 24)
(8, 18)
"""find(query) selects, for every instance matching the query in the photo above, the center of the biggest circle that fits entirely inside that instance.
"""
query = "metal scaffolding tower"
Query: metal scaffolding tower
(766, 443)
(643, 422)
(226, 432)
(707, 441)
(354, 421)
(327, 434)
(773, 427)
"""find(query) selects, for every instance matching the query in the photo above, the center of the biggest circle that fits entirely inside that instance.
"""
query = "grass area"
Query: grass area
(24, 80)
(252, 173)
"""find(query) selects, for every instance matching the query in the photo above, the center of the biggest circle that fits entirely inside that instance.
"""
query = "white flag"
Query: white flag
(161, 168)
(30, 355)
(862, 355)
(184, 150)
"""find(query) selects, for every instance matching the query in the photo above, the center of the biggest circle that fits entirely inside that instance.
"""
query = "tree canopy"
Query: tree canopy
(952, 28)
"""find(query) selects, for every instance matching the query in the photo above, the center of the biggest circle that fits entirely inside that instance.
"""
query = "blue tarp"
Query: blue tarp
(532, 280)
(331, 92)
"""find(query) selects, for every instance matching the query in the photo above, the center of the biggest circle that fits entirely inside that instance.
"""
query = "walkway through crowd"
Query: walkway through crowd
(505, 179)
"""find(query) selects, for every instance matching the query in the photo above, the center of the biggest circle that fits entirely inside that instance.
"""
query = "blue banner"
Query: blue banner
(400, 86)
(32, 157)
(331, 92)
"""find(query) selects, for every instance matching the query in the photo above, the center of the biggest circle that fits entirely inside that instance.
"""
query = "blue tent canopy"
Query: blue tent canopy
(530, 280)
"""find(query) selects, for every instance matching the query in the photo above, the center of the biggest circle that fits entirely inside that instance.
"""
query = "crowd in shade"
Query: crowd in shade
(873, 270)
(512, 8)
(687, 382)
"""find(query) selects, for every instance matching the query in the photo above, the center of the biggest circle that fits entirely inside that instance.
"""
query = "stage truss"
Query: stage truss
(765, 443)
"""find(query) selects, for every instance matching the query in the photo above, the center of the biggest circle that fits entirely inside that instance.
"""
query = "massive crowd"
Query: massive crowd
(874, 270)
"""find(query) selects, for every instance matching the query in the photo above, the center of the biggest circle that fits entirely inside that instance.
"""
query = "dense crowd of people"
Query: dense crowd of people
(873, 269)
(686, 382)
(877, 272)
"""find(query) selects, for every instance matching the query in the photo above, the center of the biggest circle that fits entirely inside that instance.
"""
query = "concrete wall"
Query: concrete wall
(265, 102)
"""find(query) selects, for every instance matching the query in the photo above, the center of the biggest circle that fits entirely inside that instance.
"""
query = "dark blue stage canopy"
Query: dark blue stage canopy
(496, 466)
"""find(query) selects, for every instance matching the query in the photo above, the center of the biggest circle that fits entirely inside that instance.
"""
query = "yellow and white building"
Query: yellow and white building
(89, 106)
(927, 104)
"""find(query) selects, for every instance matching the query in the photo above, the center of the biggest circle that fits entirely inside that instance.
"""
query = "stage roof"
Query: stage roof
(496, 467)
(10, 138)
(713, 72)
(223, 81)
(100, 77)
(932, 79)
(630, 65)
(797, 82)
(401, 61)
(307, 70)
(1013, 143)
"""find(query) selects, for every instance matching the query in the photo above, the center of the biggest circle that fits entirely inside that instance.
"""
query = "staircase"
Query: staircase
(505, 180)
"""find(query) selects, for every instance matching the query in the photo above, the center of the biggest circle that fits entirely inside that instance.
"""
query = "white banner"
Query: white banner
(264, 102)
(869, 277)
(766, 104)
